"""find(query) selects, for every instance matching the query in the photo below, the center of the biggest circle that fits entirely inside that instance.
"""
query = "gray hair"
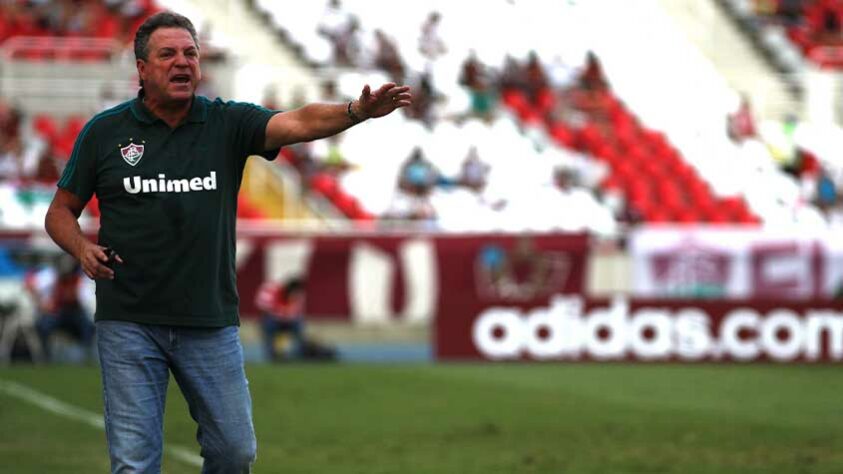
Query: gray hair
(160, 20)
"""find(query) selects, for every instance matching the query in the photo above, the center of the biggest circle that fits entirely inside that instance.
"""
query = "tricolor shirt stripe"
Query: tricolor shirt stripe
(74, 157)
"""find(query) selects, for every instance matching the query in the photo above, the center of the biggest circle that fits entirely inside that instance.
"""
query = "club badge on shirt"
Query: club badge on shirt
(132, 153)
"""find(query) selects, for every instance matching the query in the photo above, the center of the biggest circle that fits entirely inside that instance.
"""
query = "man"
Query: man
(166, 168)
(56, 291)
(282, 305)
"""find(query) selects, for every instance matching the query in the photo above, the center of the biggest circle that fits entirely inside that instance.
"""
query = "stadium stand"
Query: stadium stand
(43, 110)
(810, 29)
(544, 120)
(667, 170)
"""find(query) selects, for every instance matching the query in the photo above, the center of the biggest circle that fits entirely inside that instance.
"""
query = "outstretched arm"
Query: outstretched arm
(315, 121)
(63, 227)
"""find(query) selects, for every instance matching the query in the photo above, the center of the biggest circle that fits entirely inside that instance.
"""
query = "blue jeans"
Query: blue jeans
(136, 361)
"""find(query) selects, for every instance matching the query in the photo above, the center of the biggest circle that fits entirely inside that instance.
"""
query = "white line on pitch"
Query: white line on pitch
(66, 410)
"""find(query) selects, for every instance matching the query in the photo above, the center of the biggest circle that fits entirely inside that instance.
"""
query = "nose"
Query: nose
(181, 59)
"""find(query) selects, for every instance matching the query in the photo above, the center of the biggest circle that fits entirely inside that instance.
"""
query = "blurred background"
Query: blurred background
(592, 148)
(599, 180)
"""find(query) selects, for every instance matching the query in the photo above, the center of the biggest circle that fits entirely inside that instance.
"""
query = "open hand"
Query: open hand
(382, 101)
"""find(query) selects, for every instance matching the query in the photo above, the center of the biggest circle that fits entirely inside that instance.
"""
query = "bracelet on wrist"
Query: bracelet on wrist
(354, 118)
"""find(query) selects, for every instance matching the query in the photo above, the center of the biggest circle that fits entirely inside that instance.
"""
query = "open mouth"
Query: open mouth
(180, 79)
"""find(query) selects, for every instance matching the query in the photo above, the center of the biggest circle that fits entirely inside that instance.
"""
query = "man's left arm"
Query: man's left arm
(315, 121)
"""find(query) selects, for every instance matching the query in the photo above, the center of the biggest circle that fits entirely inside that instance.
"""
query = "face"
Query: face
(171, 71)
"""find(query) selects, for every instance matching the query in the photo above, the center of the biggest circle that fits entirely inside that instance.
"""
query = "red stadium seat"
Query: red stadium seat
(530, 116)
(515, 99)
(73, 126)
(45, 126)
(546, 100)
(562, 135)
(325, 184)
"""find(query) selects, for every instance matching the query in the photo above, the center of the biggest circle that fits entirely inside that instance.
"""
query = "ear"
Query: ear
(141, 65)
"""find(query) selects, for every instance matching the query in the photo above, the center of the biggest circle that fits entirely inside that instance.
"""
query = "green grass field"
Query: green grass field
(478, 419)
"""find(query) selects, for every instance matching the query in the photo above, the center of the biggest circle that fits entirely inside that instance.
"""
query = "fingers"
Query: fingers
(401, 96)
(384, 89)
(96, 270)
(385, 100)
(95, 263)
(402, 100)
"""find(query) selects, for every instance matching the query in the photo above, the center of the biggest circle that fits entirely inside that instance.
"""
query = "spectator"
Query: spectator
(416, 181)
(10, 160)
(535, 77)
(332, 159)
(335, 161)
(783, 147)
(56, 291)
(741, 124)
(334, 20)
(474, 173)
(826, 196)
(19, 160)
(347, 44)
(431, 44)
(592, 77)
(483, 97)
(283, 306)
(418, 176)
(10, 119)
(512, 75)
(424, 98)
(472, 71)
(831, 28)
(387, 58)
(47, 171)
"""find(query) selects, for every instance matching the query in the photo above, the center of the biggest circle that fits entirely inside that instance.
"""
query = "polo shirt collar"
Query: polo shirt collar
(198, 110)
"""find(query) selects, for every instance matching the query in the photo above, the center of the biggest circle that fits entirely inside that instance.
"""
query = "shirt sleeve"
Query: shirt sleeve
(250, 129)
(79, 176)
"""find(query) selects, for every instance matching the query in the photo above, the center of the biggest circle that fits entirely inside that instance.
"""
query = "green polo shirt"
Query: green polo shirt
(168, 203)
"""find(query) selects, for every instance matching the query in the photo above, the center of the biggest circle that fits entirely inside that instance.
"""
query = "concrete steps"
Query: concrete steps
(733, 56)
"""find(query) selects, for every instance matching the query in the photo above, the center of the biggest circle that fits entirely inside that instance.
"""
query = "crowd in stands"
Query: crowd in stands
(639, 175)
(418, 182)
(813, 29)
(74, 21)
(579, 137)
(88, 18)
(34, 147)
(29, 168)
(562, 108)
(793, 33)
(816, 26)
